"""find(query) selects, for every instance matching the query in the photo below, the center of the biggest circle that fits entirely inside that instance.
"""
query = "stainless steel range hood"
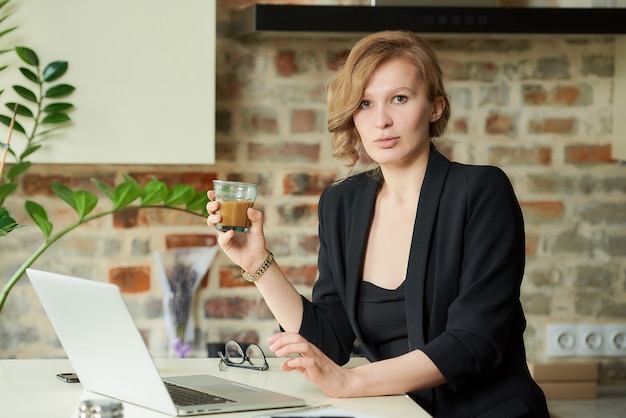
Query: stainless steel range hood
(288, 20)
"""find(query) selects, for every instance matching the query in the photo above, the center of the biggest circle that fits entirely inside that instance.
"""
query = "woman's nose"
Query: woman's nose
(383, 118)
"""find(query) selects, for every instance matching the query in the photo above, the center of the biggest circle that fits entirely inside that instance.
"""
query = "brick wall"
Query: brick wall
(539, 108)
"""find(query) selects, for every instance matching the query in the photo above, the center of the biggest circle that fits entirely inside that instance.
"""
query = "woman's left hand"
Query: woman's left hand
(312, 363)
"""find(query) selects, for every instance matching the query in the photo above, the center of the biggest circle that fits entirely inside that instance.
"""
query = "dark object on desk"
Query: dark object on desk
(68, 377)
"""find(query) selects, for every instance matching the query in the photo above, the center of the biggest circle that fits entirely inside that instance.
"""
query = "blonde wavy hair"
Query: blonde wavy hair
(345, 91)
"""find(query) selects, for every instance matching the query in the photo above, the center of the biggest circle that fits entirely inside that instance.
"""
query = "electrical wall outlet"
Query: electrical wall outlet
(586, 340)
(616, 339)
(561, 340)
(591, 340)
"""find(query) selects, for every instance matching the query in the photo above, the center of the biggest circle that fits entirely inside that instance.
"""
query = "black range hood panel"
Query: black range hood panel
(263, 19)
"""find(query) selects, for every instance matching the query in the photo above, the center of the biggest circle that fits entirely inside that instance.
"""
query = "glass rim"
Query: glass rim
(235, 183)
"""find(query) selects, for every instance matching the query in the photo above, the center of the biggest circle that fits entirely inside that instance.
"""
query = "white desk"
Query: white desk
(29, 389)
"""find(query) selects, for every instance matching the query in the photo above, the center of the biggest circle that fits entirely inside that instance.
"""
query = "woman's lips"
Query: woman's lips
(386, 142)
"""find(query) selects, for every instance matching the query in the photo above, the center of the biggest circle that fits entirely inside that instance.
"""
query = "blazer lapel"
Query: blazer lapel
(428, 204)
(358, 230)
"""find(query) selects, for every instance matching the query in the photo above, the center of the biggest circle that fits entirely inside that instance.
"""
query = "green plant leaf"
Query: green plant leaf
(29, 74)
(28, 151)
(57, 107)
(18, 169)
(6, 121)
(64, 193)
(104, 188)
(7, 223)
(54, 118)
(21, 110)
(125, 193)
(6, 189)
(179, 194)
(59, 90)
(85, 202)
(153, 192)
(39, 215)
(54, 71)
(27, 55)
(4, 32)
(25, 93)
(129, 178)
(198, 203)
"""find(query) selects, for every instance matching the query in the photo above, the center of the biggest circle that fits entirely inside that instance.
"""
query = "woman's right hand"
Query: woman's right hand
(246, 249)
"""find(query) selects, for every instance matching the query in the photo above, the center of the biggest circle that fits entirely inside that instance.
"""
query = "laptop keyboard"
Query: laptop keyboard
(186, 397)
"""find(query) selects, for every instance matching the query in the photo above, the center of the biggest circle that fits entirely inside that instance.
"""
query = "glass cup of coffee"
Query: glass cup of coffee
(235, 198)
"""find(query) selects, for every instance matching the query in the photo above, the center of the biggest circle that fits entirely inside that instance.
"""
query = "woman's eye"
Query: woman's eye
(365, 104)
(399, 99)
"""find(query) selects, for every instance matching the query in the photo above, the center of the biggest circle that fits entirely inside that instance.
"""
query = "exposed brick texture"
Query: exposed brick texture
(131, 279)
(539, 108)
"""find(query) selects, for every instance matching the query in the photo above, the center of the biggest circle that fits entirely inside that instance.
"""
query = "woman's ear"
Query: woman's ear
(437, 109)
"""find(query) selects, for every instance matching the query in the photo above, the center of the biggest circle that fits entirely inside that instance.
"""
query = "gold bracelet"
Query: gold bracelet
(253, 277)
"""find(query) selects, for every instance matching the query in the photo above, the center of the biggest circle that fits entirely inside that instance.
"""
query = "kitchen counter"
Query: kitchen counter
(610, 403)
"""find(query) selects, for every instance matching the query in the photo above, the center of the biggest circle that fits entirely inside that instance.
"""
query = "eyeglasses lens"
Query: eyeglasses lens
(234, 353)
(255, 355)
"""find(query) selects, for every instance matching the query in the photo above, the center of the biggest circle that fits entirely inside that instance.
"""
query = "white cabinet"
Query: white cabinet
(144, 73)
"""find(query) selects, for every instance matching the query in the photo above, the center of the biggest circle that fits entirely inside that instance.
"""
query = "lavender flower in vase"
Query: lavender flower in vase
(180, 271)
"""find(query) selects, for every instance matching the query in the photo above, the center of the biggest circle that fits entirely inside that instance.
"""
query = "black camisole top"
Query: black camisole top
(382, 318)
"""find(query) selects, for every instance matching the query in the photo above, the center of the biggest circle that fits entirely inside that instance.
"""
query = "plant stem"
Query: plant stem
(53, 238)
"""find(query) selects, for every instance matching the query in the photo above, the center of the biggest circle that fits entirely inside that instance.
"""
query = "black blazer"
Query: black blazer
(461, 290)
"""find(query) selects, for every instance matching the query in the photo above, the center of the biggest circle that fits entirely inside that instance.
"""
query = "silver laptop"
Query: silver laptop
(110, 358)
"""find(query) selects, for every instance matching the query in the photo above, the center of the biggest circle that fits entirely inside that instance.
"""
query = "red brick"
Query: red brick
(532, 243)
(125, 219)
(284, 152)
(36, 184)
(309, 244)
(307, 184)
(199, 180)
(229, 308)
(542, 211)
(131, 279)
(190, 240)
(565, 95)
(225, 151)
(588, 154)
(231, 277)
(459, 126)
(298, 214)
(303, 121)
(245, 336)
(285, 63)
(305, 275)
(263, 122)
(535, 95)
(227, 87)
(500, 124)
(169, 217)
(552, 126)
(501, 156)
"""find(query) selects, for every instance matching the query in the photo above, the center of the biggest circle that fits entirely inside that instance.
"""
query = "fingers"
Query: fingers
(211, 207)
(289, 343)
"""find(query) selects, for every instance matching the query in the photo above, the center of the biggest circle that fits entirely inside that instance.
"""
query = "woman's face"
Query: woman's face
(395, 113)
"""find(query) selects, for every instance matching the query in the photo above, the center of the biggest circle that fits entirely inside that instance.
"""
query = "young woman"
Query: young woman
(420, 259)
